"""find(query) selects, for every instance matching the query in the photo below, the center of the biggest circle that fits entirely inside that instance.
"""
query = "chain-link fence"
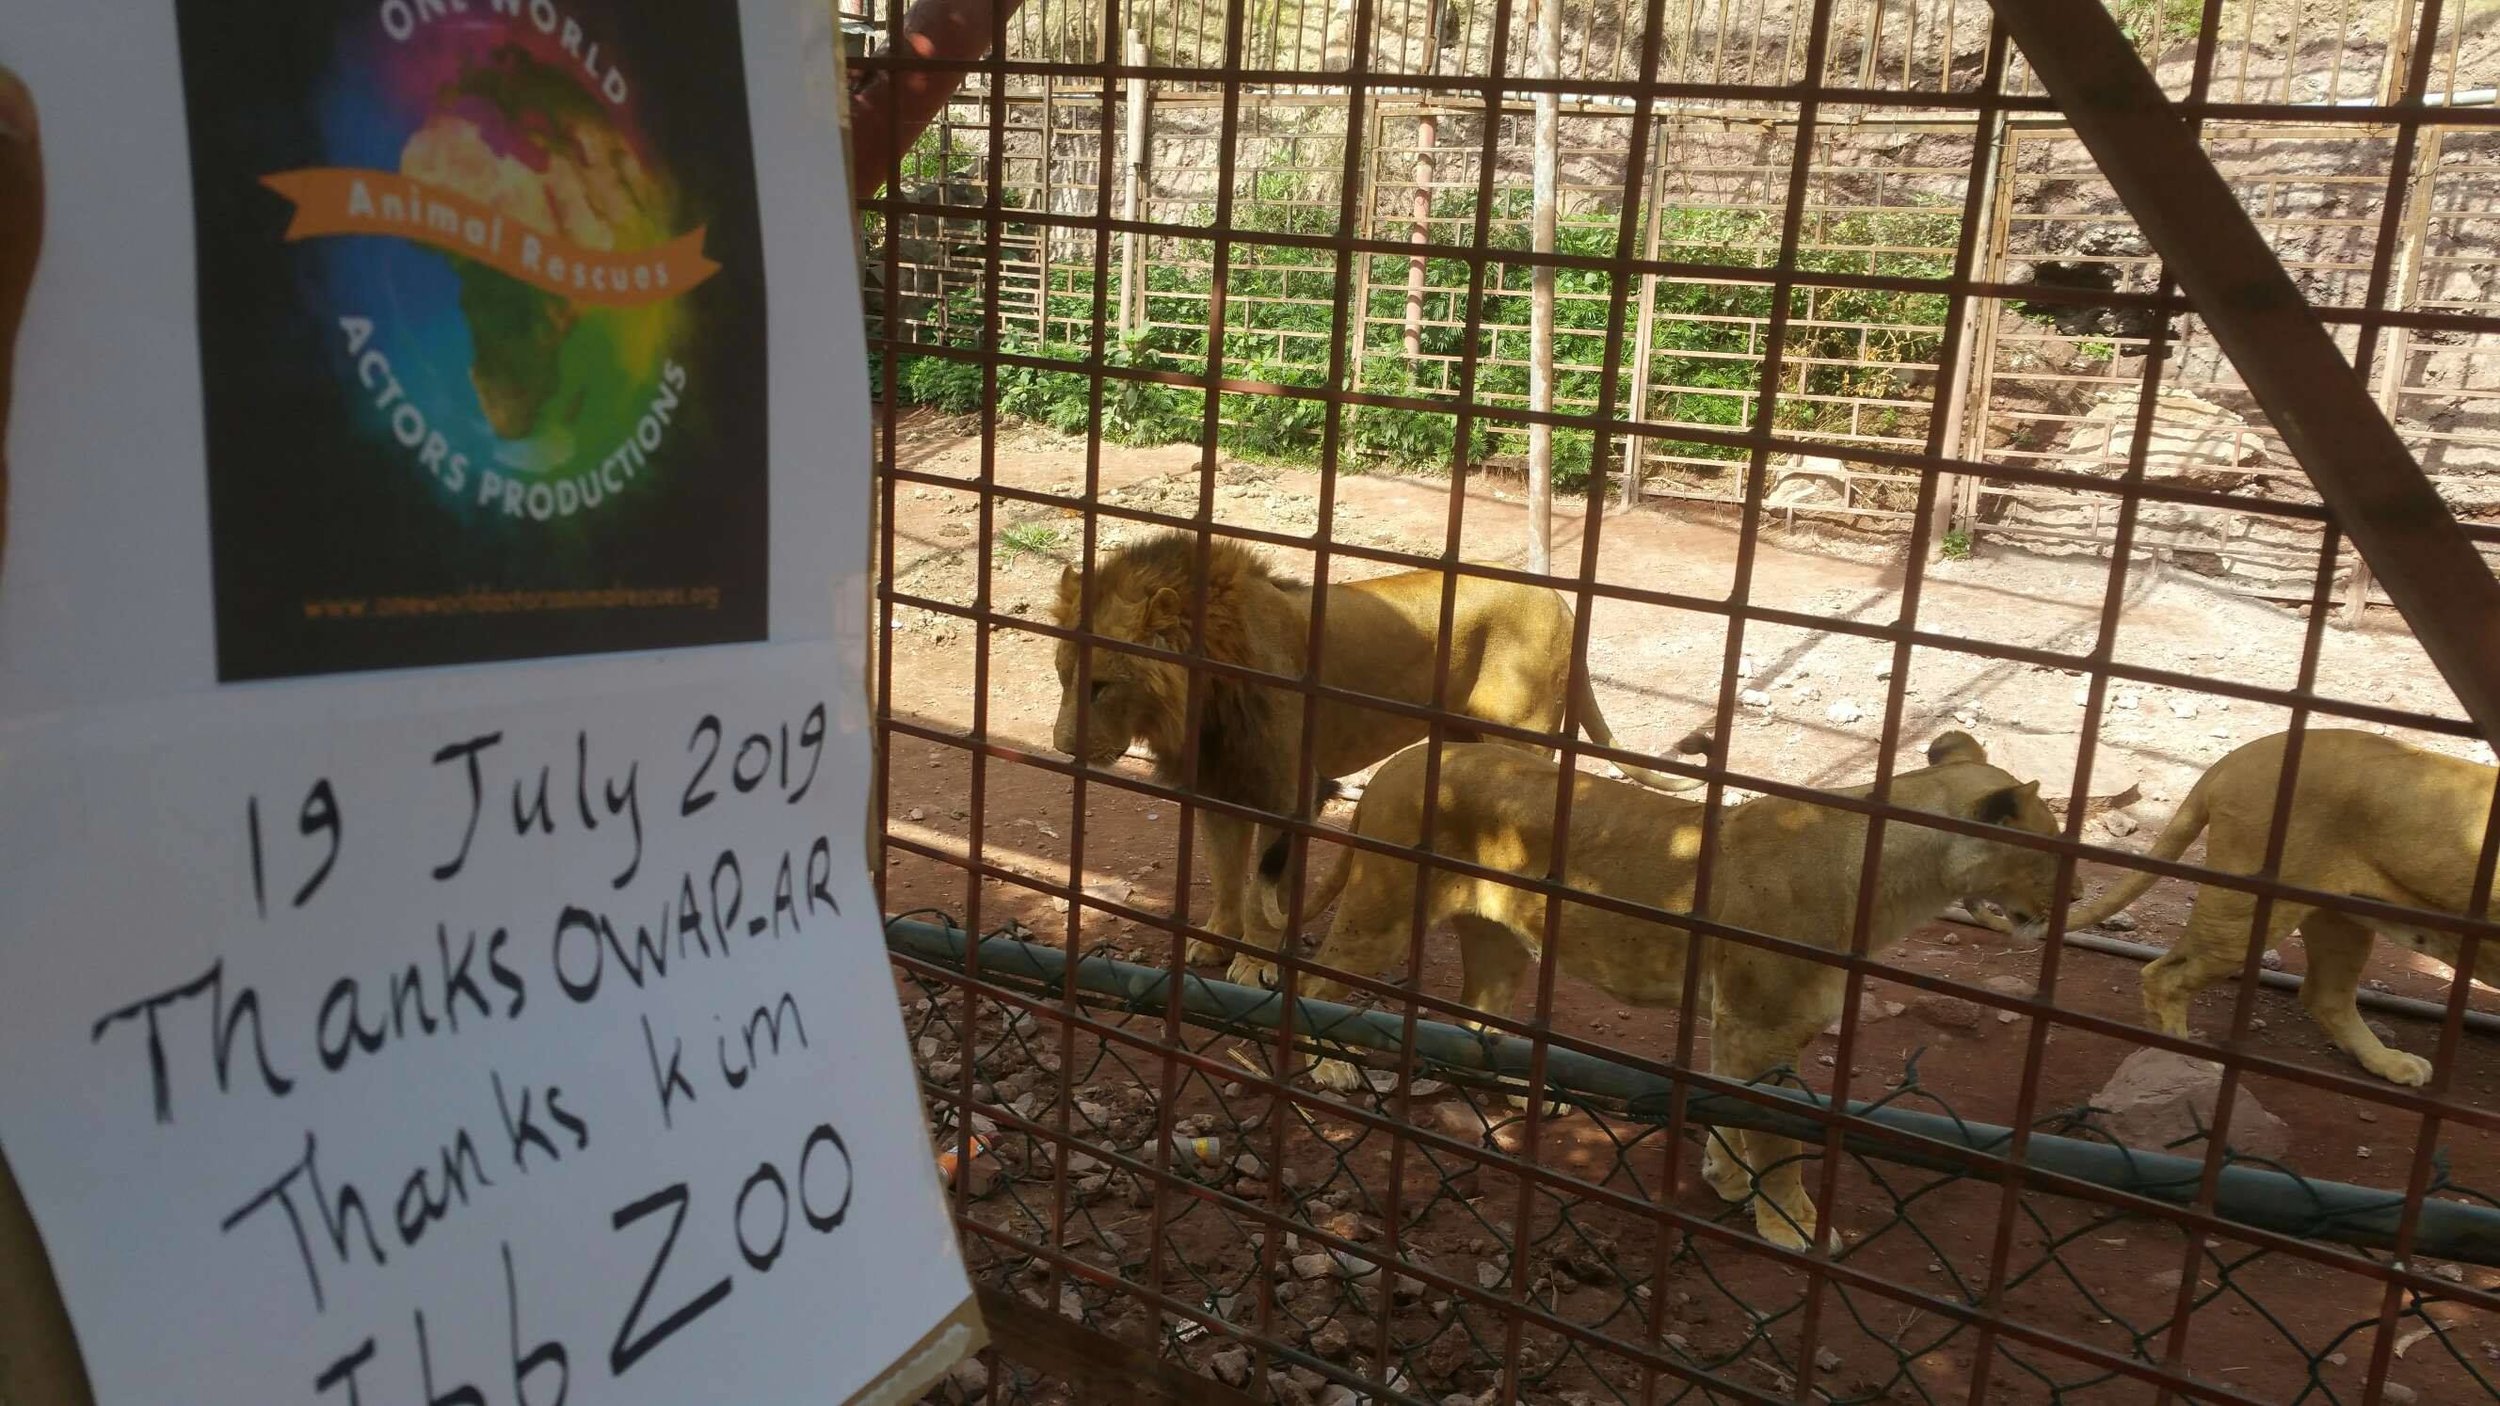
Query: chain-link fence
(1274, 1221)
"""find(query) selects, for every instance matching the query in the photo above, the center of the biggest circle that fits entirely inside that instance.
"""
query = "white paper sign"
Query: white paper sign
(437, 963)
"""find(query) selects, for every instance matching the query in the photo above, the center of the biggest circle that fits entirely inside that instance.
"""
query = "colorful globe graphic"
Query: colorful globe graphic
(528, 381)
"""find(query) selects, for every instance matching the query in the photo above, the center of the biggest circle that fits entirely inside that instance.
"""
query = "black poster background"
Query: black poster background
(333, 548)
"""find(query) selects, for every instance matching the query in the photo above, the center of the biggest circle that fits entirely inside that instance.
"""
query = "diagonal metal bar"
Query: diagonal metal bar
(2380, 497)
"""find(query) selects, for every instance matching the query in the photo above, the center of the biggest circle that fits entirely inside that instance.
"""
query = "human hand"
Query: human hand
(21, 236)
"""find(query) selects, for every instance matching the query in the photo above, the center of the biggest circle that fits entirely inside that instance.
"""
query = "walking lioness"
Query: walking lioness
(1510, 662)
(2371, 817)
(1787, 868)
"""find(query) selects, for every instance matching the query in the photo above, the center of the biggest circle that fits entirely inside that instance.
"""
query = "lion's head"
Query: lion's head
(2020, 880)
(1146, 593)
(1128, 698)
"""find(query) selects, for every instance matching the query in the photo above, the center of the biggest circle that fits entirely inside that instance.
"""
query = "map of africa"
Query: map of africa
(527, 141)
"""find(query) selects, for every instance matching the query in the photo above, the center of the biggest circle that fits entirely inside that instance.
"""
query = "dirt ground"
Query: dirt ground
(2280, 1328)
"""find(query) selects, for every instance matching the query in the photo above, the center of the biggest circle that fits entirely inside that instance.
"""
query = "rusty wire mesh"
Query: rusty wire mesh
(1848, 328)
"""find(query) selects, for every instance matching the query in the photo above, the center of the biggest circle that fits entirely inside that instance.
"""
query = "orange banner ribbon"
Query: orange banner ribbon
(337, 200)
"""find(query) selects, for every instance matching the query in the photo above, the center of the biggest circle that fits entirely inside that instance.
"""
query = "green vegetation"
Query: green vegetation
(1023, 538)
(1956, 544)
(1282, 313)
(2168, 20)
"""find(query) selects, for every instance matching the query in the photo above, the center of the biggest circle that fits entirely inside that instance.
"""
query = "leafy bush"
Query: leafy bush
(950, 385)
(1281, 313)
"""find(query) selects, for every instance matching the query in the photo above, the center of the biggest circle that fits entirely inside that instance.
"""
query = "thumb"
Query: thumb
(21, 235)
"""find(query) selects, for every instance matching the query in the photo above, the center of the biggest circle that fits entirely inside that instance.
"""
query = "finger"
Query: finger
(21, 235)
(21, 202)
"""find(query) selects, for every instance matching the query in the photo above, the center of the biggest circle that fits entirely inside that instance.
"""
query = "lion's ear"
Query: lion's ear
(1071, 590)
(1999, 807)
(1164, 617)
(1955, 747)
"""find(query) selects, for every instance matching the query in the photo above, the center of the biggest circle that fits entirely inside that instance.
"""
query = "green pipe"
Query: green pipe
(2244, 1195)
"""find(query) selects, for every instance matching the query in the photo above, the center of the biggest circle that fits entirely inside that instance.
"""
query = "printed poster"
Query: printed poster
(482, 327)
(438, 961)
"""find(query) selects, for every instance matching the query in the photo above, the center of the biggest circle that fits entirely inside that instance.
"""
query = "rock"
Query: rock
(1313, 1266)
(1754, 698)
(917, 813)
(2127, 702)
(2183, 708)
(1967, 717)
(2083, 696)
(970, 1378)
(2120, 824)
(1331, 1340)
(1808, 481)
(1948, 1012)
(1489, 1275)
(1231, 1366)
(2397, 1394)
(1826, 1360)
(1844, 712)
(2271, 960)
(2118, 922)
(1338, 1395)
(2011, 986)
(2157, 1098)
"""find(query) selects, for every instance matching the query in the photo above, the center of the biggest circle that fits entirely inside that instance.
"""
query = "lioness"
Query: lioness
(1787, 868)
(1510, 663)
(2371, 817)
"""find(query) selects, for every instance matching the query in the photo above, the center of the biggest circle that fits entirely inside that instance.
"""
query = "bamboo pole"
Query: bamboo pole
(1419, 230)
(1541, 301)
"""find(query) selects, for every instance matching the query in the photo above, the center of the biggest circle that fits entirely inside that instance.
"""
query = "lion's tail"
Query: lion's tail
(1270, 881)
(1697, 743)
(2184, 827)
(2173, 841)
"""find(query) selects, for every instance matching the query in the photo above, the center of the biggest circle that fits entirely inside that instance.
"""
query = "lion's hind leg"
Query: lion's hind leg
(2339, 949)
(2214, 945)
(1368, 934)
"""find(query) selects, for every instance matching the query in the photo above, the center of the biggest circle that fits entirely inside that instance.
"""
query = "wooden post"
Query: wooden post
(1547, 158)
(1419, 225)
(1419, 233)
(1654, 186)
(1133, 200)
(2397, 344)
(1359, 324)
(1042, 231)
(1954, 392)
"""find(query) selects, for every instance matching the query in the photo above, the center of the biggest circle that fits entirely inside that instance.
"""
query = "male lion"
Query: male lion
(2371, 817)
(1510, 663)
(1787, 868)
